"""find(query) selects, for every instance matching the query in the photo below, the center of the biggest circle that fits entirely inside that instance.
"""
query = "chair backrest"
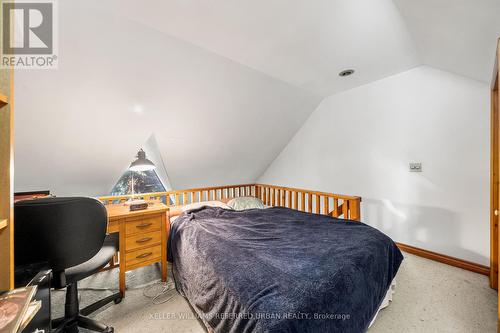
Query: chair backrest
(63, 232)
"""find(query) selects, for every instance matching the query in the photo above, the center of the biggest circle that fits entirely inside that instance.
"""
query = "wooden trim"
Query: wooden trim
(452, 261)
(495, 175)
(7, 178)
(495, 244)
(494, 189)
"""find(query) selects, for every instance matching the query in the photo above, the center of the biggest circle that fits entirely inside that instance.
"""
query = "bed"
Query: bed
(305, 264)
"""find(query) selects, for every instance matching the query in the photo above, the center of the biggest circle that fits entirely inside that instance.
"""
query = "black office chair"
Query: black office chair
(69, 234)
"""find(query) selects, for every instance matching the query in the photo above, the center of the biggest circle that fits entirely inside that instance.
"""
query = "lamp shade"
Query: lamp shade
(141, 163)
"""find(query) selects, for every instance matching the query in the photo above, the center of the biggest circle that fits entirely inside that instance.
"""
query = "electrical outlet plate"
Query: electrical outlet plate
(415, 167)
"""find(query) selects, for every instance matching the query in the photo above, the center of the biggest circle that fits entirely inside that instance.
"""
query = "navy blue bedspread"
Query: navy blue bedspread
(281, 270)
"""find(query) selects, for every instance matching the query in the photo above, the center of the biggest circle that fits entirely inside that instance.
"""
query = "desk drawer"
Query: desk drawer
(143, 225)
(143, 255)
(113, 226)
(141, 240)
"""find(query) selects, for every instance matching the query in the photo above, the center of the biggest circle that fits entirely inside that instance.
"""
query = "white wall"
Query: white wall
(215, 121)
(360, 142)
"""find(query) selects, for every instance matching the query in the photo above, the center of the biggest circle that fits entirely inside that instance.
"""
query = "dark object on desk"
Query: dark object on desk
(70, 235)
(138, 204)
(18, 196)
(138, 207)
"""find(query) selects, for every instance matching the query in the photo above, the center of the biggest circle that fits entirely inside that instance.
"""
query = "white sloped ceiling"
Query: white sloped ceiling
(223, 85)
(459, 36)
(305, 43)
(119, 82)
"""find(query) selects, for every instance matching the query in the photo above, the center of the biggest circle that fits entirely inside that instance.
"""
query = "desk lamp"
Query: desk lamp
(140, 164)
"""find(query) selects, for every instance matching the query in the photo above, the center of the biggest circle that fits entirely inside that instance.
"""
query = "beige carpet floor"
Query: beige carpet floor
(430, 297)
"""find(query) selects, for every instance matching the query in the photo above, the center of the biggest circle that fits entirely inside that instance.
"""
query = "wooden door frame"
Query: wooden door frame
(6, 179)
(495, 177)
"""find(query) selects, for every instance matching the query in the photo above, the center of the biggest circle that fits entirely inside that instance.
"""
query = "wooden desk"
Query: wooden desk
(143, 237)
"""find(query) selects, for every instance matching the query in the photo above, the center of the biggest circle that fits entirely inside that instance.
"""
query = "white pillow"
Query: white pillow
(242, 203)
(197, 205)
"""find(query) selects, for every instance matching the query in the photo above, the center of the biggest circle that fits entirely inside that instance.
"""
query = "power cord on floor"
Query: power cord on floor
(88, 289)
(160, 292)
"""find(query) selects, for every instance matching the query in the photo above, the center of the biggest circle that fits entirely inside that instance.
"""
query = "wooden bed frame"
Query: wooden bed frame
(335, 205)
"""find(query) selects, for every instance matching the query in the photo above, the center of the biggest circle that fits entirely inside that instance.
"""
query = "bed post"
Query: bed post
(355, 209)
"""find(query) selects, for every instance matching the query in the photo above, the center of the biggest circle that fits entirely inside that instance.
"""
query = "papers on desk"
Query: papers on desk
(14, 306)
(30, 313)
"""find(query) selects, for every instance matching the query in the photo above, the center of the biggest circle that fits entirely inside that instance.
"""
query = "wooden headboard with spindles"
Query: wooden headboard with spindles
(335, 205)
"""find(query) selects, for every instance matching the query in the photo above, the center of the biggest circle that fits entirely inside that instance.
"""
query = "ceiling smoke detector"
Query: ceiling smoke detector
(346, 72)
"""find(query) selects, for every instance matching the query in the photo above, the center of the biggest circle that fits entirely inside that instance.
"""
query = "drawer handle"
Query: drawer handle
(144, 255)
(144, 240)
(144, 225)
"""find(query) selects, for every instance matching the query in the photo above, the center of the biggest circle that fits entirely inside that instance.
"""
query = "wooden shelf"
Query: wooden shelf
(3, 100)
(3, 224)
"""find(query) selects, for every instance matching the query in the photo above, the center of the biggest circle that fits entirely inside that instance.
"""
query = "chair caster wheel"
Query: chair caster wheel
(109, 330)
(118, 300)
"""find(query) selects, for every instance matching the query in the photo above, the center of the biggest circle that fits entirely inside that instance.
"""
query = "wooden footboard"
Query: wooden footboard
(335, 205)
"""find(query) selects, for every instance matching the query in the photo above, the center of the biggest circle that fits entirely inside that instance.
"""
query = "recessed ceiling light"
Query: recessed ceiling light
(137, 108)
(346, 72)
